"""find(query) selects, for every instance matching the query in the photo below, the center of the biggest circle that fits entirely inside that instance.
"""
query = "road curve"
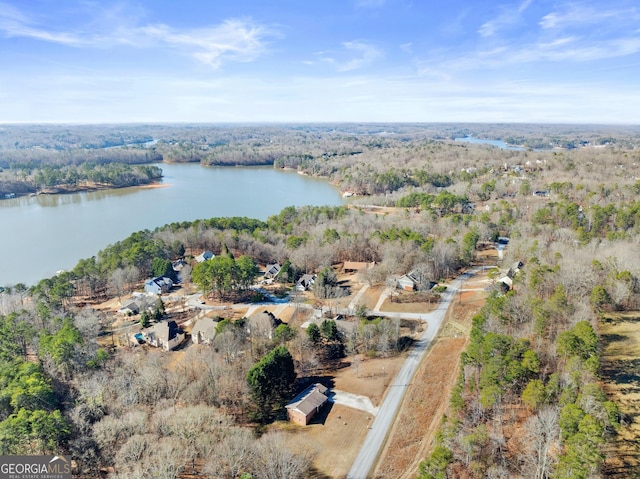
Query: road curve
(377, 435)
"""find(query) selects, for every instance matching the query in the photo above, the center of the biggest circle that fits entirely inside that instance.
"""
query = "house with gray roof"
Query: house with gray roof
(272, 270)
(165, 334)
(204, 331)
(138, 304)
(307, 404)
(305, 282)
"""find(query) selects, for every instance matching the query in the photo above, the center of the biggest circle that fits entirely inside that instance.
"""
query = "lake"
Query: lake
(498, 143)
(43, 234)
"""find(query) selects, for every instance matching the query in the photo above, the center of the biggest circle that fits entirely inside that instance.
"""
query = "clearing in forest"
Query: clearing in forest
(620, 335)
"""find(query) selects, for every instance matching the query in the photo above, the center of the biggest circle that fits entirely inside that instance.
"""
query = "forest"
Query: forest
(529, 400)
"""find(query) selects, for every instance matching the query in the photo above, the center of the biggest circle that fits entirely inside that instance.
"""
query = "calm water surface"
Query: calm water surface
(43, 234)
(498, 143)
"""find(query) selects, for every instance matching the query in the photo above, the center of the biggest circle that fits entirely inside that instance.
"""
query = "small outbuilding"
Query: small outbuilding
(272, 270)
(408, 282)
(307, 404)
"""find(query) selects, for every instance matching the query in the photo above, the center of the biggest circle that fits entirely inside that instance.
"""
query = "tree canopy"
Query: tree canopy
(271, 381)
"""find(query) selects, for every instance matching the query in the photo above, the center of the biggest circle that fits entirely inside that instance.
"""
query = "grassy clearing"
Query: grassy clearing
(620, 333)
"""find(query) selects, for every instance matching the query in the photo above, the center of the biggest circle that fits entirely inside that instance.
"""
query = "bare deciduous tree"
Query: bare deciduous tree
(541, 443)
(279, 460)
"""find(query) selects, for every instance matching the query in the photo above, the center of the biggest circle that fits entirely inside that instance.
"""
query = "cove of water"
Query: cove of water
(42, 234)
(498, 143)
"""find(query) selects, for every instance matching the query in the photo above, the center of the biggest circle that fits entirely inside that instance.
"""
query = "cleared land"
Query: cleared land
(620, 335)
(338, 431)
(428, 398)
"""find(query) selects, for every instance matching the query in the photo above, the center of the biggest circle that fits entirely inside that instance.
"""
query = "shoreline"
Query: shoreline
(67, 190)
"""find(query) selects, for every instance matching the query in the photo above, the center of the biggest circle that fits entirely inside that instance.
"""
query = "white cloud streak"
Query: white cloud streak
(508, 18)
(365, 54)
(237, 40)
(582, 15)
(234, 39)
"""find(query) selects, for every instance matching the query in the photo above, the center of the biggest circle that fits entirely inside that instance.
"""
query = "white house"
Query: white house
(305, 282)
(205, 256)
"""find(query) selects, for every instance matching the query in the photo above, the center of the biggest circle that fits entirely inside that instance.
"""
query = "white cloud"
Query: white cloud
(407, 47)
(508, 18)
(365, 55)
(581, 15)
(233, 39)
(13, 23)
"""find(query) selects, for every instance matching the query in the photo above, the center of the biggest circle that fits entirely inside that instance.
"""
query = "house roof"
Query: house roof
(165, 331)
(206, 327)
(311, 398)
(160, 281)
(408, 278)
(178, 264)
(138, 303)
(205, 256)
(272, 269)
(306, 279)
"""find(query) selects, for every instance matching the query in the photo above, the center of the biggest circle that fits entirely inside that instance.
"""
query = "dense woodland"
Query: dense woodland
(354, 156)
(528, 402)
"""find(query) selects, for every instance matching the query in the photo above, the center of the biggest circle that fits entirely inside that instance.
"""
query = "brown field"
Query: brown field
(371, 295)
(407, 306)
(428, 399)
(336, 435)
(422, 409)
(620, 335)
(369, 377)
(338, 432)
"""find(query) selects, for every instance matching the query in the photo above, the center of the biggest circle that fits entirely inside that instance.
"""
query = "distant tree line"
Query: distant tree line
(87, 175)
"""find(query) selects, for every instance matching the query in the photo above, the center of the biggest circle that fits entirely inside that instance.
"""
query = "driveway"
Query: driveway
(356, 299)
(354, 401)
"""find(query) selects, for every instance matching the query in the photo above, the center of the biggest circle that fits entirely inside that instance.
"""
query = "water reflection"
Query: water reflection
(45, 233)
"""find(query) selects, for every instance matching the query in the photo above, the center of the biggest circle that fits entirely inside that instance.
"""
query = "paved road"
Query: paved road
(377, 435)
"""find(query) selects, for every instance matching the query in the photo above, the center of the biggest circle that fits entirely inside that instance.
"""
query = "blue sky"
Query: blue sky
(85, 61)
